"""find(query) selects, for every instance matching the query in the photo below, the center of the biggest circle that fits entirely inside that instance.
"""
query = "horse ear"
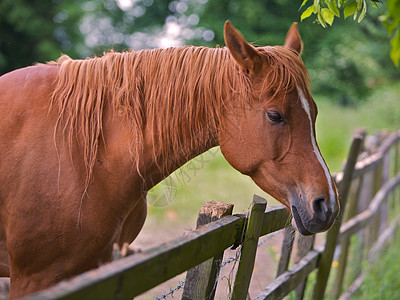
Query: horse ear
(293, 40)
(244, 53)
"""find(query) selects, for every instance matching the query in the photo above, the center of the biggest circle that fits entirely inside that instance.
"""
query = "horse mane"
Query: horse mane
(180, 91)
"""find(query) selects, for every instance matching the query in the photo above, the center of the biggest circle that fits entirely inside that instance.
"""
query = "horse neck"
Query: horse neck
(185, 97)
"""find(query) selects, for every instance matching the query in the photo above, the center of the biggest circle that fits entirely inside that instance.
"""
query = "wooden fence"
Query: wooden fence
(367, 188)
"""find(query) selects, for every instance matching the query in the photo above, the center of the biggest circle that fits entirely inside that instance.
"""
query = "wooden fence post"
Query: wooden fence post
(306, 244)
(396, 194)
(286, 250)
(374, 228)
(350, 212)
(365, 197)
(385, 178)
(201, 281)
(330, 244)
(249, 249)
(353, 198)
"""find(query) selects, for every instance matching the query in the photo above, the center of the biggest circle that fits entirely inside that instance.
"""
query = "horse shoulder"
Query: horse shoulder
(25, 124)
(30, 83)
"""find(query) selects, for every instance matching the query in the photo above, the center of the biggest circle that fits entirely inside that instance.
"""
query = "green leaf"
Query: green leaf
(321, 19)
(302, 4)
(350, 9)
(363, 12)
(308, 12)
(342, 3)
(355, 15)
(333, 7)
(395, 52)
(317, 6)
(359, 4)
(327, 15)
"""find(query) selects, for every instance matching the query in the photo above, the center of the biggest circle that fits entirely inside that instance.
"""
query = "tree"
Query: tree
(36, 31)
(328, 10)
(42, 30)
(344, 63)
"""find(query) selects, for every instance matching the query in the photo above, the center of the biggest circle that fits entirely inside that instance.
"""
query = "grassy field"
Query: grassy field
(382, 280)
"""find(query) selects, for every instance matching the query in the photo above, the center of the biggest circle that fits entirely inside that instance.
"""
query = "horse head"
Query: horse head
(271, 135)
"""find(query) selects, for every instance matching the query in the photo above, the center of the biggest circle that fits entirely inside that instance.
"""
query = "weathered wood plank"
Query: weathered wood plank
(306, 244)
(391, 140)
(361, 220)
(201, 281)
(275, 218)
(353, 287)
(345, 243)
(380, 196)
(374, 227)
(286, 251)
(289, 280)
(130, 276)
(371, 162)
(249, 249)
(354, 225)
(362, 167)
(384, 239)
(396, 195)
(384, 210)
(331, 239)
(362, 204)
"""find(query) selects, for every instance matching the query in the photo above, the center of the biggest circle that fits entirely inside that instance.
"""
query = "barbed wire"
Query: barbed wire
(229, 260)
(269, 236)
(223, 264)
(172, 291)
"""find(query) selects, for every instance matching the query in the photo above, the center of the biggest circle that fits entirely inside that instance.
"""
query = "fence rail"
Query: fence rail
(364, 187)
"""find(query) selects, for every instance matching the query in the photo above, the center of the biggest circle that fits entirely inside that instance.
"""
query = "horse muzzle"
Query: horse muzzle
(318, 216)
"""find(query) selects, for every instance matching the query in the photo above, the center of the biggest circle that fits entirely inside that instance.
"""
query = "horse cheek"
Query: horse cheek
(242, 144)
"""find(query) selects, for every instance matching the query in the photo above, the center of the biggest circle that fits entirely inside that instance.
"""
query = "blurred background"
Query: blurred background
(354, 82)
(346, 61)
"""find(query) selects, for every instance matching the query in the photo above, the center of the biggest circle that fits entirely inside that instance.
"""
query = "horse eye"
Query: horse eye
(274, 116)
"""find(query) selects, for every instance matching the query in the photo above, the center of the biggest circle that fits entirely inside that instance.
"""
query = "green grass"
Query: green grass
(382, 280)
(336, 124)
(207, 178)
(334, 128)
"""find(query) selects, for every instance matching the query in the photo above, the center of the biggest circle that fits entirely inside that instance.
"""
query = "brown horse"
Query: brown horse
(82, 141)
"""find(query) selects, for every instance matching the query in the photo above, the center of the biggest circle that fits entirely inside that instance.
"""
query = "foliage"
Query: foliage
(41, 30)
(36, 31)
(327, 10)
(392, 23)
(345, 63)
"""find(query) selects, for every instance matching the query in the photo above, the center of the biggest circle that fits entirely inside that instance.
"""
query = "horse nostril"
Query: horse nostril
(320, 208)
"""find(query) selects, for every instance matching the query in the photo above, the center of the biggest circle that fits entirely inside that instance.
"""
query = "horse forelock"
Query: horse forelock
(286, 71)
(181, 92)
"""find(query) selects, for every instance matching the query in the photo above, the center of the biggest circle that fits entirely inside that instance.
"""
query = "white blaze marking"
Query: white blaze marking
(306, 107)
